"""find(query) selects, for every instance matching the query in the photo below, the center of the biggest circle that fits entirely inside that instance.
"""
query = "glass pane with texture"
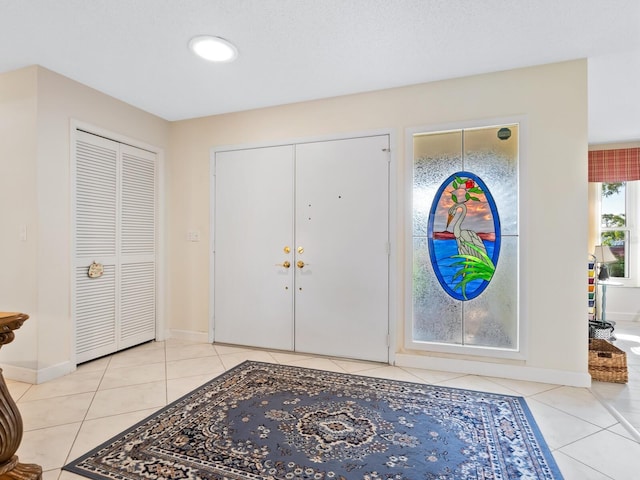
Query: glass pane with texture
(436, 316)
(436, 156)
(495, 160)
(491, 320)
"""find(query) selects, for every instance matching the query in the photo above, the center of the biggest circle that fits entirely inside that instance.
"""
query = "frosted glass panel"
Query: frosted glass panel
(496, 161)
(490, 319)
(436, 157)
(431, 302)
(465, 238)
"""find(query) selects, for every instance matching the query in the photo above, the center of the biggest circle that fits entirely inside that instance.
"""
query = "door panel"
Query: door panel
(253, 302)
(94, 303)
(137, 247)
(341, 304)
(137, 303)
(95, 313)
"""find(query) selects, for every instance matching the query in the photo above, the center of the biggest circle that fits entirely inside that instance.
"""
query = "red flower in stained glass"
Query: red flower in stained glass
(469, 183)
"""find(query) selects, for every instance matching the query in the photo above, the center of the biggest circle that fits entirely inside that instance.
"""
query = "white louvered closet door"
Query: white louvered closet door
(115, 221)
(96, 193)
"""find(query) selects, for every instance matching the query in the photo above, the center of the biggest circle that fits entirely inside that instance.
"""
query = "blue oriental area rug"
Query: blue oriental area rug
(267, 421)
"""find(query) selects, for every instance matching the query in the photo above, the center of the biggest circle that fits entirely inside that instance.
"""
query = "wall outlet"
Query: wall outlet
(193, 235)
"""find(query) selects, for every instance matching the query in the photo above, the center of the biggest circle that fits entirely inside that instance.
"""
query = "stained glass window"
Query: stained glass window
(465, 238)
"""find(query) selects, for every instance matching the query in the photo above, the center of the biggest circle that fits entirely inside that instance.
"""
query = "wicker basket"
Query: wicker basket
(607, 363)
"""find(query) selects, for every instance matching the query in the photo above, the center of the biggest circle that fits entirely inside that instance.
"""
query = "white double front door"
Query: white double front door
(301, 247)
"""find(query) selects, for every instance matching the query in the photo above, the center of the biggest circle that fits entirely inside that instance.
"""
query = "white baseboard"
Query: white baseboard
(19, 374)
(55, 371)
(201, 337)
(514, 372)
(27, 375)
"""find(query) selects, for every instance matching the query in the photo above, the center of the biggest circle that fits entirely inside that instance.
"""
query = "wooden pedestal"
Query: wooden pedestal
(10, 419)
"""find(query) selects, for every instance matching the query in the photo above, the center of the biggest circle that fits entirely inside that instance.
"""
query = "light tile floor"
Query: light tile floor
(625, 399)
(66, 417)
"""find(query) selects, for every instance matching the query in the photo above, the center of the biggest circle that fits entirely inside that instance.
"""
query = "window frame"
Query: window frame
(632, 220)
(520, 352)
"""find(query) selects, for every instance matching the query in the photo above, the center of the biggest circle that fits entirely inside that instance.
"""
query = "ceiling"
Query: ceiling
(297, 50)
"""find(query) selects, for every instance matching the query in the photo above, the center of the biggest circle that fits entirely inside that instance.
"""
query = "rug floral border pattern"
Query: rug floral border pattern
(269, 421)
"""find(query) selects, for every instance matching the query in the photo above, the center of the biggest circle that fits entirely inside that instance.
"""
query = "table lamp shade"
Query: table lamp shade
(604, 254)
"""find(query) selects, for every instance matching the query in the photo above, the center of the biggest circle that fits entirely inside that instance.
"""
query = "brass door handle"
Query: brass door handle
(285, 264)
(300, 264)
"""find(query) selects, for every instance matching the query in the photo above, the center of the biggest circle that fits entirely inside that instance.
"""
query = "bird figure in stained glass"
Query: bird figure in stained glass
(464, 238)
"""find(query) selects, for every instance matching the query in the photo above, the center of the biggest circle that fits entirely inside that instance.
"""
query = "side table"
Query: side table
(10, 419)
(604, 284)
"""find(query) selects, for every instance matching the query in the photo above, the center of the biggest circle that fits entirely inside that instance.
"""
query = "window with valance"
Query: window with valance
(620, 165)
(618, 210)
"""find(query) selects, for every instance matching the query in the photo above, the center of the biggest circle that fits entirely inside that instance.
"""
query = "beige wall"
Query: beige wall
(18, 206)
(54, 101)
(553, 188)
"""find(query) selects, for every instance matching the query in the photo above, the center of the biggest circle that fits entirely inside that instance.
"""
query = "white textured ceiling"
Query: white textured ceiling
(295, 50)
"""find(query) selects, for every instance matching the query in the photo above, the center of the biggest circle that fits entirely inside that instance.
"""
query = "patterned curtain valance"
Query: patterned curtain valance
(620, 165)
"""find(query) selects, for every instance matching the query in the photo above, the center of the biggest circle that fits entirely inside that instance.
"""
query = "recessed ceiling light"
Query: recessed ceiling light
(214, 49)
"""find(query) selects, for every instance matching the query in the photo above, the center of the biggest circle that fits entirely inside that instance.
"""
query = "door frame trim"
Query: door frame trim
(395, 244)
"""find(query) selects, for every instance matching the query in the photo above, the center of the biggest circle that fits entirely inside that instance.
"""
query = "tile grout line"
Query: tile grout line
(560, 449)
(578, 461)
(600, 427)
(84, 418)
(618, 416)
